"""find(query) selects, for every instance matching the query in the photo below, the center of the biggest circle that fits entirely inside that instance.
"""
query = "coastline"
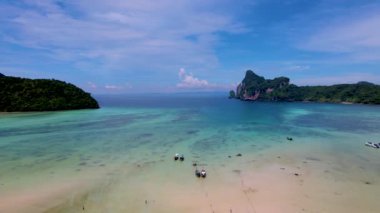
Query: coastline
(120, 159)
(313, 102)
(265, 182)
(255, 87)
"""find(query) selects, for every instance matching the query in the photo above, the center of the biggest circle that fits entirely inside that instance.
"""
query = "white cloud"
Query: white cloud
(92, 85)
(118, 87)
(297, 68)
(189, 81)
(357, 36)
(121, 34)
(112, 87)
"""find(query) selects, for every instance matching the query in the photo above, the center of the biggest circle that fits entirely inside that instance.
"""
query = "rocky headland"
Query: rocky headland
(256, 88)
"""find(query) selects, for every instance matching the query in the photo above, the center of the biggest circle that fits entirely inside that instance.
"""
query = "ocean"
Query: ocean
(119, 158)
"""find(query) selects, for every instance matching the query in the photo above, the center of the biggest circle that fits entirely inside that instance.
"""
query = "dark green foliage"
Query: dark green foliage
(354, 93)
(253, 80)
(281, 90)
(21, 94)
(232, 94)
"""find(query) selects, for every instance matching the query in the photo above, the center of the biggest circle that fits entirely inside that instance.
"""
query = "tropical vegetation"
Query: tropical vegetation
(22, 94)
(255, 87)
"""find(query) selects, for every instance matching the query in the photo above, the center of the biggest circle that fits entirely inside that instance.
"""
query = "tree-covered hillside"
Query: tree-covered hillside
(254, 87)
(22, 94)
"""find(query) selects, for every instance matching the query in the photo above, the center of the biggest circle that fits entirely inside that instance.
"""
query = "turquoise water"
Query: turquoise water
(144, 130)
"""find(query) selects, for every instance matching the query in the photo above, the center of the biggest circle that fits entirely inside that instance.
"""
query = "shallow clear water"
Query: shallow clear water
(143, 130)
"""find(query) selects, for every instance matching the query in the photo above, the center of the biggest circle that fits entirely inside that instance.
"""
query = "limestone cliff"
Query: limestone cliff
(254, 87)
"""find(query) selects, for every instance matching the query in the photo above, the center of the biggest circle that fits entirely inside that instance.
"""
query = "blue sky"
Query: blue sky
(121, 46)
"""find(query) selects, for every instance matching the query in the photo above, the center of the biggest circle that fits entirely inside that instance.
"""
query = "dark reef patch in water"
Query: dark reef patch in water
(186, 115)
(313, 159)
(107, 122)
(209, 145)
(82, 164)
(342, 123)
(245, 129)
(192, 132)
(145, 135)
(58, 159)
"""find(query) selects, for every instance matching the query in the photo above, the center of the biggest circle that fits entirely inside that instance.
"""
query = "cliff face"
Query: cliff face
(254, 87)
(22, 94)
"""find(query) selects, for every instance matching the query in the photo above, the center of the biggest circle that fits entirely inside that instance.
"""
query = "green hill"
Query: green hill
(22, 94)
(255, 87)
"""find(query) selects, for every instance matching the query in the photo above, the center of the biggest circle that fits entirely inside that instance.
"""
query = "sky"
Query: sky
(150, 46)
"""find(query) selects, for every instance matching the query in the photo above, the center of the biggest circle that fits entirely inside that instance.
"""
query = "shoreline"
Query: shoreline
(312, 102)
(274, 180)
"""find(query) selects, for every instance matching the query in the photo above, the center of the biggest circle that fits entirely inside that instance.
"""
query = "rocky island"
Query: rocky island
(22, 94)
(257, 88)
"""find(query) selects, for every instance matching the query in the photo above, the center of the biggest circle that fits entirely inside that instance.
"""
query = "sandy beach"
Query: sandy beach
(270, 181)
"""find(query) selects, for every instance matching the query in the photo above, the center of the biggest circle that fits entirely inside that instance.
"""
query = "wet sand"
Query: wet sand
(39, 198)
(270, 181)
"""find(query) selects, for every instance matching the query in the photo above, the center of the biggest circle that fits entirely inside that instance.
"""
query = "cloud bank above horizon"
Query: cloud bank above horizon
(108, 46)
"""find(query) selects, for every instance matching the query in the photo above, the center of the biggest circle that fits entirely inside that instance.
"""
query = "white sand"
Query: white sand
(260, 183)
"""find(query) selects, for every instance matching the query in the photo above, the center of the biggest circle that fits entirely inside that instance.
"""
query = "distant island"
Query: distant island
(256, 88)
(22, 94)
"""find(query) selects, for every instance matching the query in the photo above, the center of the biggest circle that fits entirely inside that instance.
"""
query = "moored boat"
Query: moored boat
(203, 173)
(197, 173)
(373, 145)
(176, 156)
